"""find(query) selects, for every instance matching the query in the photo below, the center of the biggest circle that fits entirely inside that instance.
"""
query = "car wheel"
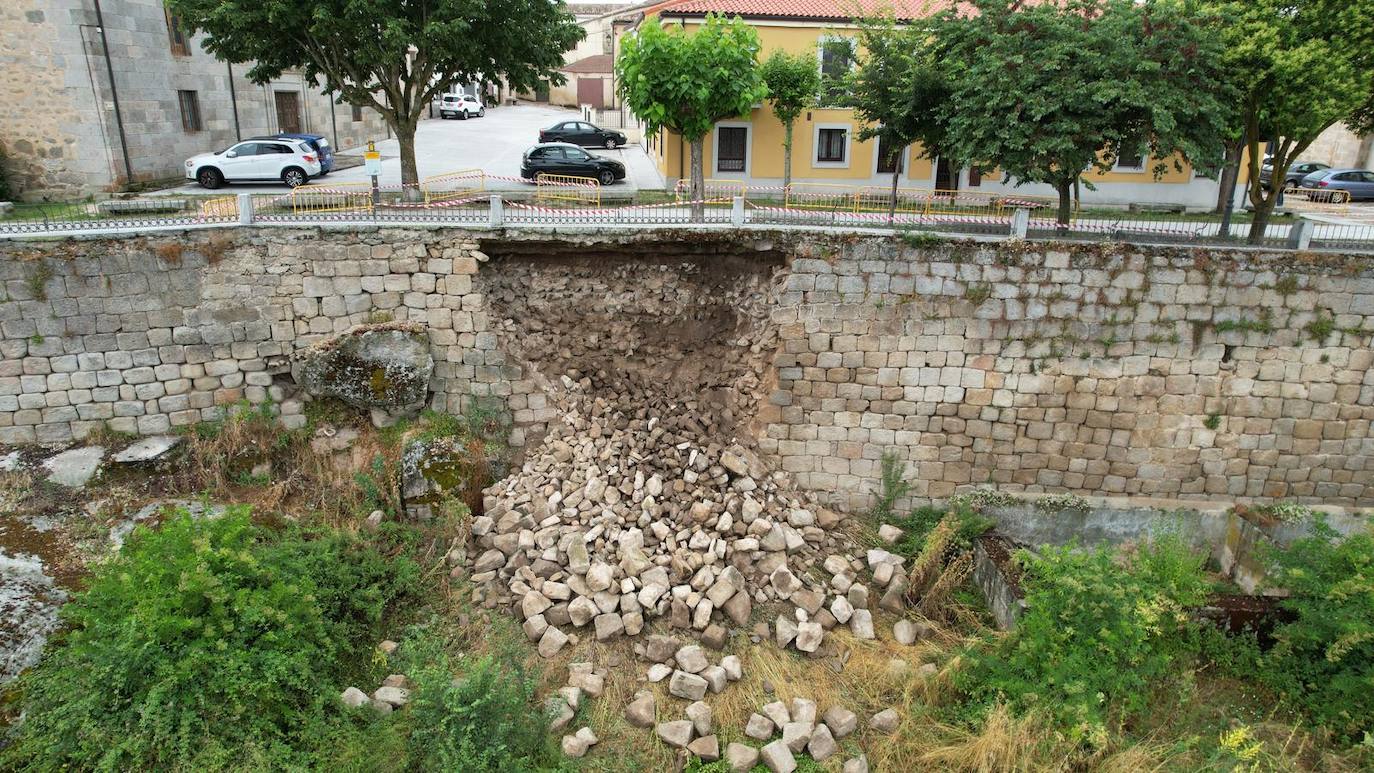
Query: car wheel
(209, 177)
(462, 115)
(481, 112)
(610, 143)
(605, 177)
(294, 177)
(1290, 186)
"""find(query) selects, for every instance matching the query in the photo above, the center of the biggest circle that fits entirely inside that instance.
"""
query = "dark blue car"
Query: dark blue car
(316, 141)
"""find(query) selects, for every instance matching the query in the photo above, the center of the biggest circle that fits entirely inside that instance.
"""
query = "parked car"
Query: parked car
(564, 158)
(316, 141)
(582, 133)
(293, 162)
(462, 106)
(1295, 173)
(1359, 183)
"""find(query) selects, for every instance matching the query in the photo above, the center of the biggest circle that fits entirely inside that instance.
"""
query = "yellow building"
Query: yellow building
(826, 148)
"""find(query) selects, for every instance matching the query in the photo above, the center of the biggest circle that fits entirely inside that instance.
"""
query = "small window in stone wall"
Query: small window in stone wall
(357, 112)
(189, 102)
(176, 33)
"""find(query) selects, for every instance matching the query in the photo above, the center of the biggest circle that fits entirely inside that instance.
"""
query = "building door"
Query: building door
(946, 176)
(541, 91)
(288, 111)
(591, 91)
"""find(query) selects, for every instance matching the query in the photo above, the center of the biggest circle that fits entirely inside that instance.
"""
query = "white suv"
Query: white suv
(290, 161)
(462, 105)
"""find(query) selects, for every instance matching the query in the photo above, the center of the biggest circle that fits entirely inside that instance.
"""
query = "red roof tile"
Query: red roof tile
(820, 10)
(595, 63)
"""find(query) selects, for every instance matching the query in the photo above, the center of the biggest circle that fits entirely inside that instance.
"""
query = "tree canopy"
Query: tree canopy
(1045, 92)
(393, 56)
(687, 81)
(898, 91)
(793, 83)
(1300, 66)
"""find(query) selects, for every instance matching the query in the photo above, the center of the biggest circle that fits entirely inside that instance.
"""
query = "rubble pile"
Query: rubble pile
(629, 510)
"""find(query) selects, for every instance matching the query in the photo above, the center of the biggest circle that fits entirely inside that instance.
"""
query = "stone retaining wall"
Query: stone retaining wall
(149, 334)
(1099, 369)
(1106, 369)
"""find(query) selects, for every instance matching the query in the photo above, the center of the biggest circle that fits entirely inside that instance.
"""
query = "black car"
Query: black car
(1295, 174)
(563, 158)
(582, 133)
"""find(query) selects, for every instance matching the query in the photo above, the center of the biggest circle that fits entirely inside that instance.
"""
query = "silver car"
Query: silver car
(1359, 183)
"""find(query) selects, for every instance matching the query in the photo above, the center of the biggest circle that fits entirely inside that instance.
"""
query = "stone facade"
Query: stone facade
(1099, 369)
(59, 129)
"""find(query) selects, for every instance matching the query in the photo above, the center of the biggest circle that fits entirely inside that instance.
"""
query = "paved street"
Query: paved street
(493, 144)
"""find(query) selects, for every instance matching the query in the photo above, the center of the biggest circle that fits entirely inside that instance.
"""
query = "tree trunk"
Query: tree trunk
(892, 202)
(410, 175)
(787, 154)
(1230, 170)
(1366, 150)
(698, 180)
(1264, 209)
(1064, 188)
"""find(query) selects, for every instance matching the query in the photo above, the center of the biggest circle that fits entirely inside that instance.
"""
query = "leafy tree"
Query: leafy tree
(793, 84)
(898, 91)
(1046, 91)
(686, 82)
(1301, 66)
(392, 56)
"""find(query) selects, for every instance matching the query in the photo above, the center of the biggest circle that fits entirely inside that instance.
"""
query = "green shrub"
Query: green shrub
(206, 643)
(486, 719)
(1324, 660)
(1095, 635)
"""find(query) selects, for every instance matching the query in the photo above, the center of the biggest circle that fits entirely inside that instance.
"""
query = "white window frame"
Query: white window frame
(906, 161)
(748, 127)
(820, 61)
(816, 163)
(1144, 165)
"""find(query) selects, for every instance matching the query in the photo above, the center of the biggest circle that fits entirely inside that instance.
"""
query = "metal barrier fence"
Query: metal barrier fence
(462, 200)
(566, 190)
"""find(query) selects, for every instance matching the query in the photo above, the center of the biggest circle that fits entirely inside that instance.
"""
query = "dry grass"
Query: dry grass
(170, 253)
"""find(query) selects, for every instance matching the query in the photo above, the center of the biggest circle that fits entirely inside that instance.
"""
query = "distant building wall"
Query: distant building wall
(60, 126)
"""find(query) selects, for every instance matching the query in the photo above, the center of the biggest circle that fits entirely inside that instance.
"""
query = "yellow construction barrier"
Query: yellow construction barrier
(567, 190)
(347, 197)
(220, 207)
(714, 190)
(453, 185)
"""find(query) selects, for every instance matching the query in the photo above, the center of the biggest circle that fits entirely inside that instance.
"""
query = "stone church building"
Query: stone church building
(90, 109)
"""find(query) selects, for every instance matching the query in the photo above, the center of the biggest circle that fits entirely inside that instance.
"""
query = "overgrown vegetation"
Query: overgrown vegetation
(1095, 636)
(204, 644)
(1323, 661)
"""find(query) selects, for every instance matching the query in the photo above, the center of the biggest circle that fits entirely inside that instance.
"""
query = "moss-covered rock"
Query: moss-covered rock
(384, 366)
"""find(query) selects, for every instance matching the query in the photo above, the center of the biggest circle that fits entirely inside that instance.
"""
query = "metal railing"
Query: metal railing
(462, 200)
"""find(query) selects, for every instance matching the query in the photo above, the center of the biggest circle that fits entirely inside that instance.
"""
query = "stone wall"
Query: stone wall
(149, 334)
(1099, 369)
(1172, 373)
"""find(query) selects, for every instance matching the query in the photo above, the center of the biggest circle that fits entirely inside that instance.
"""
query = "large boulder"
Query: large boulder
(386, 367)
